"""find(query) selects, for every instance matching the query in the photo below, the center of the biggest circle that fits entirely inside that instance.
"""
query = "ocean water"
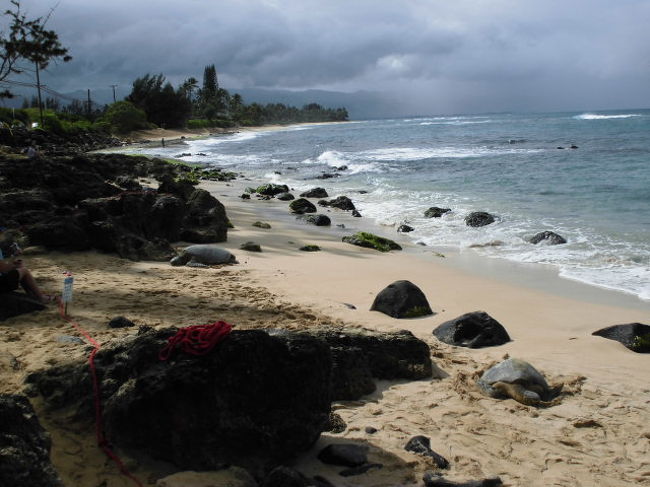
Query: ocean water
(597, 196)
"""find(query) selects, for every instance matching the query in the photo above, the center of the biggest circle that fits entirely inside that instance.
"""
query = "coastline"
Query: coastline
(282, 287)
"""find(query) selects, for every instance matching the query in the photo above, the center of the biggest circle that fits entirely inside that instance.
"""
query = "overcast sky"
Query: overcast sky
(438, 56)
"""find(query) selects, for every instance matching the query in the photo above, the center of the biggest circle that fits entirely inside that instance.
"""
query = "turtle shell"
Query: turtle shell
(513, 371)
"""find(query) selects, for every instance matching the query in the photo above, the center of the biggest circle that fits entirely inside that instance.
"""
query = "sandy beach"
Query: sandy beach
(599, 434)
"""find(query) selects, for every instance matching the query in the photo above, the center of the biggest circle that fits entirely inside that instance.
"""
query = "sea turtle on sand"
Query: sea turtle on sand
(203, 256)
(518, 380)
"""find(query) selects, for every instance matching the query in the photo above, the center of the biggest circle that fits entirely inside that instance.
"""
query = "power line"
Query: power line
(49, 91)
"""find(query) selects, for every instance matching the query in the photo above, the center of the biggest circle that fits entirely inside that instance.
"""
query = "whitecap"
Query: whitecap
(595, 116)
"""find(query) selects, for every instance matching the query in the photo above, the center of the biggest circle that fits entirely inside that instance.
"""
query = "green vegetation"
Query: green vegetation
(124, 116)
(211, 106)
(417, 311)
(370, 240)
(641, 343)
(163, 105)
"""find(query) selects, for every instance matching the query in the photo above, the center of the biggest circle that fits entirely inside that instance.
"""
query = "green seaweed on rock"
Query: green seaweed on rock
(370, 240)
(641, 343)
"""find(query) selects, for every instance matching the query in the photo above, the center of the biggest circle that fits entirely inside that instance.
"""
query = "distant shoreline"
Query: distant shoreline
(171, 136)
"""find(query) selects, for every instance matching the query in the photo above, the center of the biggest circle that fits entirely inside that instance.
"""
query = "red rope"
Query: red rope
(196, 339)
(102, 442)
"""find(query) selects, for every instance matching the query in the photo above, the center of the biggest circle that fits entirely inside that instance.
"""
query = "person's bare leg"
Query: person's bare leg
(29, 285)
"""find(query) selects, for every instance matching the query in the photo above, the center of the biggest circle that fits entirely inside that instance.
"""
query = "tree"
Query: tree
(210, 83)
(27, 40)
(163, 106)
(124, 117)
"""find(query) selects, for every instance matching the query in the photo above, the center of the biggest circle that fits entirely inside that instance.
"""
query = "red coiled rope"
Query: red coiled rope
(102, 442)
(196, 339)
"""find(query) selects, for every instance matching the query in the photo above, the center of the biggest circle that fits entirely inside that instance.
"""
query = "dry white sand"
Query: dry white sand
(599, 435)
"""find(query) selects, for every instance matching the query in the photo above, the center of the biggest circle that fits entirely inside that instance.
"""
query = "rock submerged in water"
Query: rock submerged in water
(635, 336)
(436, 212)
(473, 330)
(372, 241)
(402, 299)
(550, 238)
(479, 219)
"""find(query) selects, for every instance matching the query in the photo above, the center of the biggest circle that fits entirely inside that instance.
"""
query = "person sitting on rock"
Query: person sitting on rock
(13, 274)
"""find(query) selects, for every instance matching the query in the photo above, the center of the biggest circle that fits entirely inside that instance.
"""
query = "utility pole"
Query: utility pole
(38, 87)
(114, 86)
(88, 104)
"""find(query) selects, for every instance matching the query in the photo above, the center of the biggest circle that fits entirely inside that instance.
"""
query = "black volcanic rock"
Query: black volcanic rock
(436, 212)
(24, 446)
(550, 238)
(478, 219)
(255, 400)
(302, 205)
(472, 330)
(402, 299)
(315, 193)
(635, 336)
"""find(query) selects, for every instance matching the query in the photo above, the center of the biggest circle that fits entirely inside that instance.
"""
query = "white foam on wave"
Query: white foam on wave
(415, 154)
(595, 116)
(203, 145)
(588, 257)
(456, 122)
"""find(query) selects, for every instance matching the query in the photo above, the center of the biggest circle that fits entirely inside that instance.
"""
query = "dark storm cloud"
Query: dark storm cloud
(449, 56)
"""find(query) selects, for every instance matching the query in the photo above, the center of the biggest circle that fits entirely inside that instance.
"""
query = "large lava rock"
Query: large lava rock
(472, 330)
(255, 400)
(69, 203)
(635, 336)
(205, 219)
(24, 446)
(478, 219)
(301, 206)
(402, 299)
(17, 303)
(359, 356)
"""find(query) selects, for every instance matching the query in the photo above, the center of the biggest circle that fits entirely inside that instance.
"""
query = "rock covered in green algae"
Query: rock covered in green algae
(372, 241)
